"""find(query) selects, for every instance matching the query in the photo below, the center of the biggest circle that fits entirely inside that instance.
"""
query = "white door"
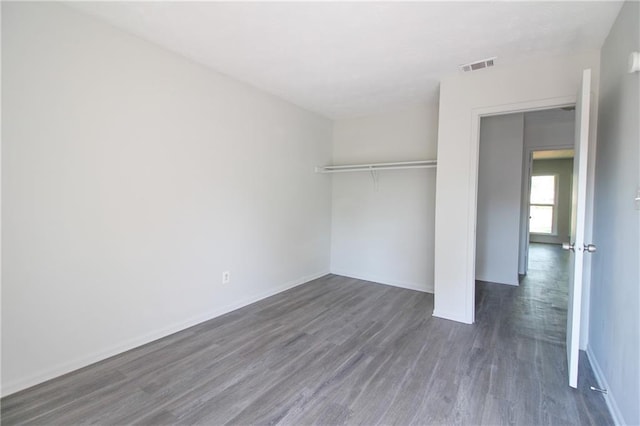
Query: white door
(578, 245)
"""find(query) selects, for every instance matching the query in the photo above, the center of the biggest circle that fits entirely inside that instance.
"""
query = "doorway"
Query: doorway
(525, 177)
(547, 204)
(516, 150)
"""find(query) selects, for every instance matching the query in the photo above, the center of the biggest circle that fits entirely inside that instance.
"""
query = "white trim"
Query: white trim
(58, 370)
(448, 316)
(383, 281)
(609, 398)
(524, 235)
(474, 150)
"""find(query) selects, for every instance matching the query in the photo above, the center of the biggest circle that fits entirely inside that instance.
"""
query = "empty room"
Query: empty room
(408, 213)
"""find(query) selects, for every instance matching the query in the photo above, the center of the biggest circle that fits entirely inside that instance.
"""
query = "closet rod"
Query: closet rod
(423, 164)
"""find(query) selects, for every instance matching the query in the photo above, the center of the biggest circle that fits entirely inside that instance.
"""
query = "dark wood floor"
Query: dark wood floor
(343, 351)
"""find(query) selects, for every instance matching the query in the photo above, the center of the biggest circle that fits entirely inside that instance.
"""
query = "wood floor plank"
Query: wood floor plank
(343, 351)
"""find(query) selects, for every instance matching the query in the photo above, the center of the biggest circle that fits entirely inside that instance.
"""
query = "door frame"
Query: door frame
(476, 115)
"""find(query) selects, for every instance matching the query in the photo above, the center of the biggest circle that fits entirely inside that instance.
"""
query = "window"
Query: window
(543, 204)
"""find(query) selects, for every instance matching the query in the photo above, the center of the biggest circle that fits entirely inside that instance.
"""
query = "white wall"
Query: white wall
(614, 343)
(385, 234)
(549, 129)
(540, 82)
(499, 189)
(563, 169)
(131, 178)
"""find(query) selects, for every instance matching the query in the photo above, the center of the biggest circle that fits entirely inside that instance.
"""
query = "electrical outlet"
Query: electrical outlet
(226, 277)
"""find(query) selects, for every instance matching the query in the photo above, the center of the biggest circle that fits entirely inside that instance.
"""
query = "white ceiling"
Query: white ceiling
(344, 59)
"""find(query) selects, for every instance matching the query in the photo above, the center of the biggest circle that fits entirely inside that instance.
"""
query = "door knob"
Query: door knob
(590, 248)
(567, 246)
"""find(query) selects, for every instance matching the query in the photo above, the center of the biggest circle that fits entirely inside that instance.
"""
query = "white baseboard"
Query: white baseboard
(378, 280)
(67, 367)
(450, 317)
(502, 282)
(602, 382)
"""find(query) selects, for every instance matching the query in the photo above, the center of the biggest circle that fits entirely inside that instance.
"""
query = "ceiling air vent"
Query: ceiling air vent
(478, 65)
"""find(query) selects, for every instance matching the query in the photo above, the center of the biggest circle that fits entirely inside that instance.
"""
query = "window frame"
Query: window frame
(554, 206)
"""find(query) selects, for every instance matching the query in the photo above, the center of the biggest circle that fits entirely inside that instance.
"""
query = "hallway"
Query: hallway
(545, 293)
